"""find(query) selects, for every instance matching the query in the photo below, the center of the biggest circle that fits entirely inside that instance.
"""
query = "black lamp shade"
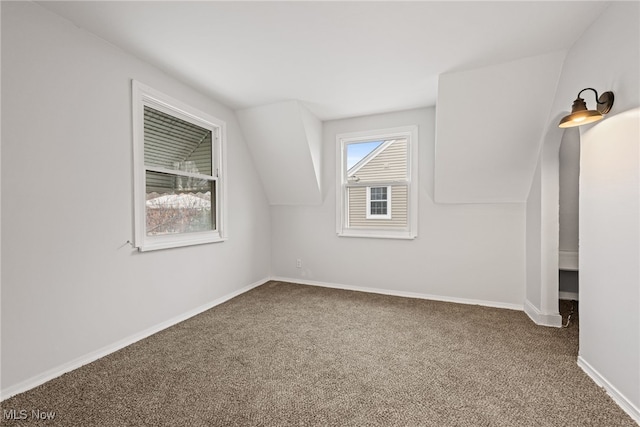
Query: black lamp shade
(580, 115)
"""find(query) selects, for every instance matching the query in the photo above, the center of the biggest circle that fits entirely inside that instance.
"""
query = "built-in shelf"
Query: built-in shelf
(568, 261)
(569, 296)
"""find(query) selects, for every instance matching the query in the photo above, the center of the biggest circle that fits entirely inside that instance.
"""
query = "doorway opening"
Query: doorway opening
(569, 183)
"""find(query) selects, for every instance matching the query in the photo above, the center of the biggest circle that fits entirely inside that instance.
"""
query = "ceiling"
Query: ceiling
(340, 59)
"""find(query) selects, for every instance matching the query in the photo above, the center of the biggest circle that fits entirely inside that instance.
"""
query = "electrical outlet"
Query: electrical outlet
(298, 263)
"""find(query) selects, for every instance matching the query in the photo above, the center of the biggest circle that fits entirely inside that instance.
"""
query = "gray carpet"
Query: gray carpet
(286, 354)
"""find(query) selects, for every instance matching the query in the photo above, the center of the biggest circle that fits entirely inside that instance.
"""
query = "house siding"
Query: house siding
(358, 208)
(388, 165)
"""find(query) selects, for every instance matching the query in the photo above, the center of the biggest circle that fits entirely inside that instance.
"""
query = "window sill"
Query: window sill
(188, 239)
(378, 234)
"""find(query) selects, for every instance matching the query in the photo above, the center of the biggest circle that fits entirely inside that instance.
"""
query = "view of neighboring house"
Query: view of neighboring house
(177, 157)
(377, 187)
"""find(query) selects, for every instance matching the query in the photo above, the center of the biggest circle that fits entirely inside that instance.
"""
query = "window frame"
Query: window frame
(342, 215)
(142, 96)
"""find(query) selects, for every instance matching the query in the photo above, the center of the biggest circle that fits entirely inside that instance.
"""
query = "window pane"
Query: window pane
(357, 208)
(182, 207)
(172, 143)
(356, 151)
(378, 176)
(386, 161)
(378, 193)
(378, 208)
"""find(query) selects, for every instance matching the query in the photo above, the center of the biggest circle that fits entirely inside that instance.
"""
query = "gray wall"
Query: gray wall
(71, 285)
(464, 251)
(569, 174)
(609, 202)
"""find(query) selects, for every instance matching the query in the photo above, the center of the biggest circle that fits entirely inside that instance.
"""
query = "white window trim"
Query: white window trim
(387, 200)
(411, 231)
(143, 95)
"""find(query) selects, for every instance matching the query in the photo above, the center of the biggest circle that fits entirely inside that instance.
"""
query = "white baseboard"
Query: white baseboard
(95, 355)
(619, 398)
(540, 318)
(570, 296)
(495, 304)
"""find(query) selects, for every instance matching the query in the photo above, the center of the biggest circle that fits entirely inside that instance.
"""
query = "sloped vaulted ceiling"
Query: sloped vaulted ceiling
(341, 58)
(489, 124)
(285, 140)
(345, 59)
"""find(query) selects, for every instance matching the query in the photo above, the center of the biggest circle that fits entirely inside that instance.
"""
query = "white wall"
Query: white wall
(610, 254)
(542, 288)
(485, 151)
(285, 141)
(569, 174)
(71, 285)
(468, 252)
(608, 231)
(533, 241)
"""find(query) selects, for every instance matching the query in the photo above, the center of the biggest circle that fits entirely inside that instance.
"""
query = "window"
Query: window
(377, 183)
(378, 200)
(178, 172)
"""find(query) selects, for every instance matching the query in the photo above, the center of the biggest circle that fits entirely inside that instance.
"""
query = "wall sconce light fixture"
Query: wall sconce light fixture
(581, 116)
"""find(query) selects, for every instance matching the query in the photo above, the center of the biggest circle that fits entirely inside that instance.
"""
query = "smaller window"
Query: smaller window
(377, 183)
(378, 202)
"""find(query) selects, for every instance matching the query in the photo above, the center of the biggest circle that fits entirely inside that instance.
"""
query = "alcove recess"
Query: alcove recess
(569, 178)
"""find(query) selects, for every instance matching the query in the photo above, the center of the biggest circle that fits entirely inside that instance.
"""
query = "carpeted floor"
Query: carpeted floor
(286, 354)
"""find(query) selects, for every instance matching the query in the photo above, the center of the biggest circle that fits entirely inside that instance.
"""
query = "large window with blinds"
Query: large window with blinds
(377, 183)
(178, 172)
